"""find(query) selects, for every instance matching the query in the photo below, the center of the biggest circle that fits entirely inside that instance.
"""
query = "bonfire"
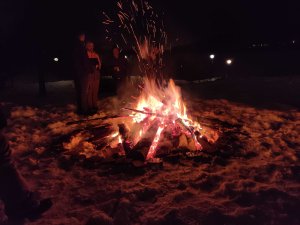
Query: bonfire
(160, 122)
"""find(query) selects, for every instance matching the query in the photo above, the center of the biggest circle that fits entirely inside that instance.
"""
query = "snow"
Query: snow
(252, 177)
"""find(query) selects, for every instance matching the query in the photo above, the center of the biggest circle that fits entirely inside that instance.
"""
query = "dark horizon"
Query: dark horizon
(209, 23)
(34, 30)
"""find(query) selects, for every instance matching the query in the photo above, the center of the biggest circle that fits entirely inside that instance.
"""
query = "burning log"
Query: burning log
(125, 141)
(123, 131)
(183, 142)
(141, 149)
(192, 145)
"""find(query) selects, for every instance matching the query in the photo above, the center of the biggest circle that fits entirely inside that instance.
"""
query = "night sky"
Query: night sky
(29, 25)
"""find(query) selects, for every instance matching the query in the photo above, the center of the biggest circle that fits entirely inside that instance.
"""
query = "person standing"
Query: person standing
(94, 77)
(82, 69)
(118, 68)
(20, 202)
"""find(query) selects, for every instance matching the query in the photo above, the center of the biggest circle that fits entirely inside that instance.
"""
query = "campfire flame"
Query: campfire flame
(161, 106)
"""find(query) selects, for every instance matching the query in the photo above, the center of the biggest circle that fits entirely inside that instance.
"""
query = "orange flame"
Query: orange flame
(166, 104)
(161, 105)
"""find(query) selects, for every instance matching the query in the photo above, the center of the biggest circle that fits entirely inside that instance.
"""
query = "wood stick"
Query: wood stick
(140, 111)
(98, 118)
(143, 112)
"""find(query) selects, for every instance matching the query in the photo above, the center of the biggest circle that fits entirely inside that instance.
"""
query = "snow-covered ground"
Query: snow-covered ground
(252, 177)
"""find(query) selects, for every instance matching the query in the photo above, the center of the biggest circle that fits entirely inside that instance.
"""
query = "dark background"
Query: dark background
(261, 36)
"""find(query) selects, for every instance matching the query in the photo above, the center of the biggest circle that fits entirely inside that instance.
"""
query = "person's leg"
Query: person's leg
(90, 91)
(96, 89)
(13, 191)
(13, 188)
(84, 88)
(19, 201)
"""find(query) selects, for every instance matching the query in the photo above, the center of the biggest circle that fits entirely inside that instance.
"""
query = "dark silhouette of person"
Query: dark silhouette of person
(118, 68)
(82, 69)
(20, 202)
(94, 78)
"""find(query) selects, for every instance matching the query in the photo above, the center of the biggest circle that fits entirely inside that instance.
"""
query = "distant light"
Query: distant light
(55, 59)
(293, 41)
(212, 56)
(126, 57)
(229, 61)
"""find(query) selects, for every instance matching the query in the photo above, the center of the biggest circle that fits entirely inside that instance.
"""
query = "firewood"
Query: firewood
(183, 143)
(89, 120)
(126, 142)
(141, 149)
